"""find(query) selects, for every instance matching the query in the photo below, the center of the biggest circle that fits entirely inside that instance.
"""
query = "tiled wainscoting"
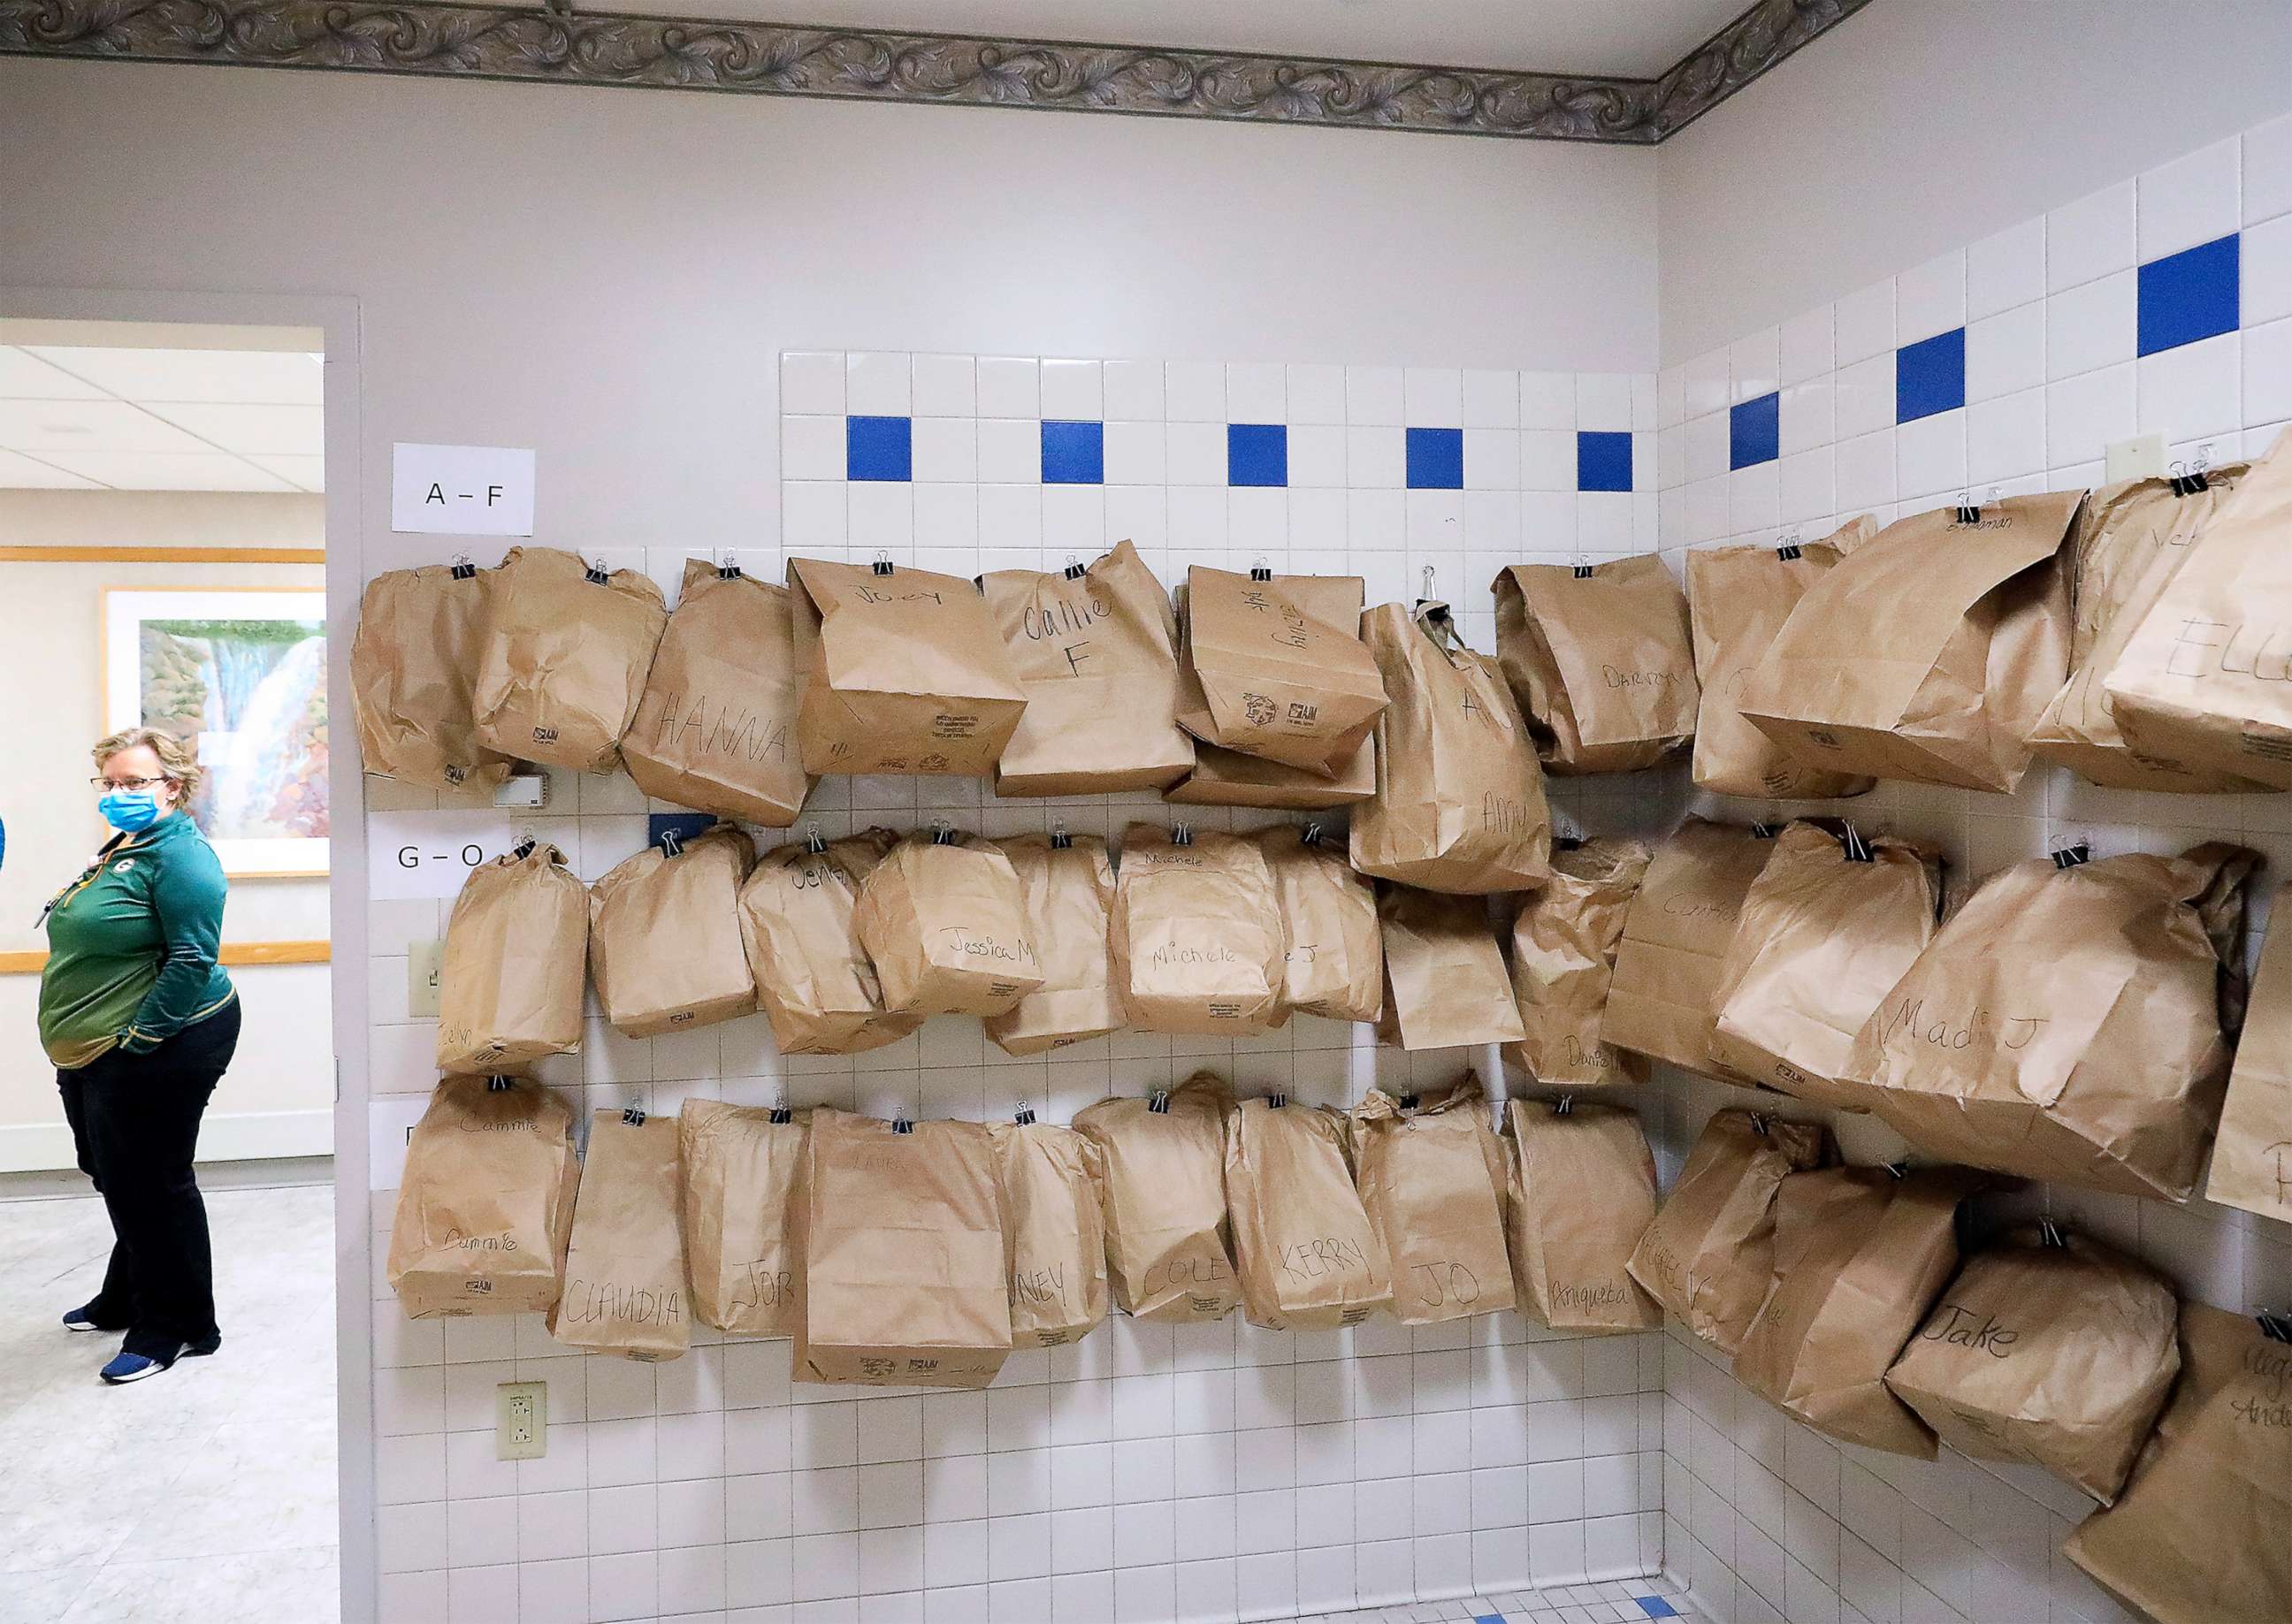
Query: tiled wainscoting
(2159, 305)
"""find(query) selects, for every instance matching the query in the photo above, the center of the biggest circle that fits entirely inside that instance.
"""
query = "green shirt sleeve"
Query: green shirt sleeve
(187, 893)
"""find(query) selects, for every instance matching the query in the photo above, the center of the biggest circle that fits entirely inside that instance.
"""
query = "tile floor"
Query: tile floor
(203, 1494)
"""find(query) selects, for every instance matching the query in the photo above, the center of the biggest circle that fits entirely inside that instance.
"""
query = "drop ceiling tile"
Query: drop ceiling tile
(23, 473)
(168, 471)
(308, 472)
(244, 376)
(282, 430)
(24, 376)
(88, 425)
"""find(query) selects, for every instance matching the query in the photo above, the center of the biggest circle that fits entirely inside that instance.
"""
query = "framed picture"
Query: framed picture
(240, 672)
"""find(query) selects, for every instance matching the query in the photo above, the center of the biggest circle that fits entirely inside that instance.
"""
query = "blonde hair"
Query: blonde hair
(176, 760)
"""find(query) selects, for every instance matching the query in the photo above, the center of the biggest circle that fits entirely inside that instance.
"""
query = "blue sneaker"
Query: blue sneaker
(82, 1318)
(130, 1367)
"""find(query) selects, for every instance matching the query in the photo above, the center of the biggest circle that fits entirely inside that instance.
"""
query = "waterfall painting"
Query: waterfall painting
(241, 673)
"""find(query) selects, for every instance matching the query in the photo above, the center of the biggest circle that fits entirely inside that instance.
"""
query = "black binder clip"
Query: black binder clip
(522, 849)
(1899, 1169)
(1968, 511)
(1309, 835)
(1761, 1122)
(943, 834)
(1060, 840)
(1261, 571)
(1160, 1104)
(2049, 1234)
(1275, 1102)
(1182, 834)
(883, 564)
(900, 1124)
(1763, 831)
(2069, 857)
(1075, 569)
(728, 571)
(782, 1116)
(1787, 550)
(671, 843)
(463, 570)
(813, 841)
(500, 1085)
(1856, 849)
(1025, 1115)
(634, 1116)
(595, 575)
(2275, 1327)
(1408, 1102)
(1565, 1106)
(1583, 572)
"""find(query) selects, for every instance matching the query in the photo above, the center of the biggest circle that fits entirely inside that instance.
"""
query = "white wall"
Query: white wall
(276, 1100)
(1919, 125)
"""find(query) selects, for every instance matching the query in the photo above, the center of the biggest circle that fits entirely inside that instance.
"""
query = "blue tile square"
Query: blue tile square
(1754, 431)
(1656, 1607)
(2192, 294)
(1074, 452)
(1603, 460)
(878, 448)
(1436, 458)
(1257, 453)
(686, 824)
(1490, 1618)
(1930, 376)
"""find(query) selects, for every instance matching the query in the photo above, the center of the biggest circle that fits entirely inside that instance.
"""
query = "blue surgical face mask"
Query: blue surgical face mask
(129, 810)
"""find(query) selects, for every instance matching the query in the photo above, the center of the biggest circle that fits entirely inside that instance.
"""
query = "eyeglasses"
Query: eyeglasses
(125, 783)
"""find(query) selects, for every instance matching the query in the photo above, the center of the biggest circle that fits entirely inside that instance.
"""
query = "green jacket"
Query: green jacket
(132, 946)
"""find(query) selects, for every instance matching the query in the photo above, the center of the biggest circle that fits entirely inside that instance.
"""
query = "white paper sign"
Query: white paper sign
(390, 1125)
(461, 490)
(412, 857)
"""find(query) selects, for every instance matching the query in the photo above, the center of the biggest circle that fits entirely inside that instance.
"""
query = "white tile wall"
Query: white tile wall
(1150, 1472)
(1767, 1520)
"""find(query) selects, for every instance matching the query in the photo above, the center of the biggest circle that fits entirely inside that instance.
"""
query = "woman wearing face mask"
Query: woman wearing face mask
(140, 1020)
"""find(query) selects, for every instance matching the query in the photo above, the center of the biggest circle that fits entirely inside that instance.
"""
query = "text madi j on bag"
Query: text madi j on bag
(414, 662)
(904, 672)
(563, 659)
(1661, 1000)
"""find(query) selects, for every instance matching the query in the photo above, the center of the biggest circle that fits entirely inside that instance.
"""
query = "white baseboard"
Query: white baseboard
(245, 1136)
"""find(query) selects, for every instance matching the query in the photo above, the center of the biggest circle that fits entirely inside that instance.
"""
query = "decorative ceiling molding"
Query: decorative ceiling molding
(449, 39)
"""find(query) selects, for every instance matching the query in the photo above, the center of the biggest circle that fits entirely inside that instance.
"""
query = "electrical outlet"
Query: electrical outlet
(522, 1421)
(2142, 458)
(423, 962)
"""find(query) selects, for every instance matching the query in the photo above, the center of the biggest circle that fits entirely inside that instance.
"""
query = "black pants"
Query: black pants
(135, 1124)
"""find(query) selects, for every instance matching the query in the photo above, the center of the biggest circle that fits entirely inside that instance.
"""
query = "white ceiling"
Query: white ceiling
(1632, 38)
(78, 417)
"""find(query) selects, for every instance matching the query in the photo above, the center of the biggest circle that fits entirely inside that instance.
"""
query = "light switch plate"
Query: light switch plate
(522, 1421)
(2142, 458)
(422, 960)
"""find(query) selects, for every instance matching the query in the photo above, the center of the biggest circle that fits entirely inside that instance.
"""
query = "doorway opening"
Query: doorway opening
(163, 534)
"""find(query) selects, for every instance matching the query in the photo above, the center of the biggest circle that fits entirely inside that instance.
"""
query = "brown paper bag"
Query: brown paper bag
(1270, 679)
(715, 727)
(904, 672)
(1303, 1245)
(1563, 961)
(1054, 1192)
(1601, 661)
(665, 947)
(2252, 1157)
(1333, 963)
(1738, 599)
(742, 1168)
(1195, 935)
(1431, 1173)
(1579, 1192)
(625, 1288)
(413, 664)
(1066, 888)
(486, 1203)
(2131, 542)
(2071, 1024)
(1861, 1254)
(1229, 778)
(563, 659)
(905, 1264)
(511, 976)
(812, 975)
(1709, 1254)
(1832, 922)
(1459, 803)
(1444, 975)
(944, 924)
(2048, 1348)
(1681, 921)
(2201, 680)
(2198, 1537)
(1165, 1211)
(1929, 652)
(1095, 650)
